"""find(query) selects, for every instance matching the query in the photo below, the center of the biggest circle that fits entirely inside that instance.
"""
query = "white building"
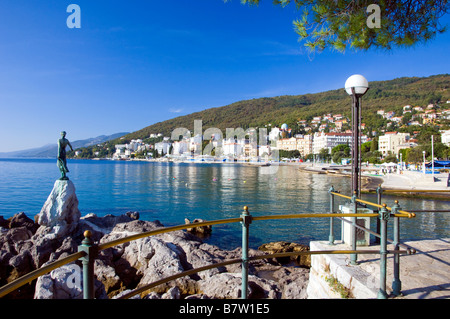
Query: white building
(162, 147)
(391, 141)
(264, 151)
(120, 151)
(330, 140)
(305, 144)
(233, 147)
(445, 137)
(195, 146)
(274, 134)
(287, 144)
(134, 144)
(180, 147)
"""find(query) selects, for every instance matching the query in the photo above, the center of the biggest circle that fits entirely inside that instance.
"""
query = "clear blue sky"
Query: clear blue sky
(135, 63)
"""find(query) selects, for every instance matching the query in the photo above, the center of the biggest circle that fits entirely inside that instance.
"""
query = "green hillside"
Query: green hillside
(388, 95)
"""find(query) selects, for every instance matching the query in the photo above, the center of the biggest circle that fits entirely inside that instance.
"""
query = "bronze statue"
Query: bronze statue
(62, 162)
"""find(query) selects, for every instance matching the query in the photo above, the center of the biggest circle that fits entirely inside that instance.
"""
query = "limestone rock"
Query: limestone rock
(22, 220)
(228, 286)
(61, 283)
(172, 293)
(282, 247)
(122, 268)
(198, 230)
(292, 281)
(60, 213)
(4, 223)
(65, 282)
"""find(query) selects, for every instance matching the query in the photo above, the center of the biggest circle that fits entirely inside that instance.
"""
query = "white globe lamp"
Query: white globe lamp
(356, 84)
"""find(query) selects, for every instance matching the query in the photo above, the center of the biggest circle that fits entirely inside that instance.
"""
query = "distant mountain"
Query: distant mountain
(50, 150)
(390, 95)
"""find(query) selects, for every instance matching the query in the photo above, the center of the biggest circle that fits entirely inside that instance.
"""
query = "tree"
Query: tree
(289, 154)
(339, 152)
(324, 154)
(426, 132)
(372, 157)
(415, 155)
(390, 158)
(341, 148)
(339, 24)
(406, 118)
(366, 147)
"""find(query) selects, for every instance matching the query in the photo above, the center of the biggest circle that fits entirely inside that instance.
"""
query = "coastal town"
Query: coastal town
(320, 136)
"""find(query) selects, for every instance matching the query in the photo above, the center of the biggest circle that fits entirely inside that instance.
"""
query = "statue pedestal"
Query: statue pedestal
(60, 214)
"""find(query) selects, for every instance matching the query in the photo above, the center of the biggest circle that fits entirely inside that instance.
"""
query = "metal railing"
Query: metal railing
(88, 250)
(384, 216)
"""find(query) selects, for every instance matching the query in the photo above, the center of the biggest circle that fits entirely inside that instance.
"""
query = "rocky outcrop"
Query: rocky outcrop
(286, 247)
(60, 214)
(26, 245)
(201, 231)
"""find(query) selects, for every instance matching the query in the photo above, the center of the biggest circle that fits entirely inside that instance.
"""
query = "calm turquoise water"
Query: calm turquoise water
(171, 192)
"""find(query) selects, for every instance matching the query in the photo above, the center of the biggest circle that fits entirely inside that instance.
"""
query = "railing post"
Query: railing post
(383, 216)
(331, 237)
(379, 194)
(246, 221)
(88, 264)
(353, 257)
(396, 283)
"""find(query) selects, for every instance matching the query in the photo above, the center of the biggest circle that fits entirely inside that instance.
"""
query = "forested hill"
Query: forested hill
(389, 95)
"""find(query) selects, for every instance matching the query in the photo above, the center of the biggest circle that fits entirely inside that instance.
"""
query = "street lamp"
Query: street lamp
(423, 152)
(356, 86)
(432, 157)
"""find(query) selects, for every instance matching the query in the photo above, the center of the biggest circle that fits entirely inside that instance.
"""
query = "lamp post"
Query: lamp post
(356, 86)
(432, 158)
(423, 152)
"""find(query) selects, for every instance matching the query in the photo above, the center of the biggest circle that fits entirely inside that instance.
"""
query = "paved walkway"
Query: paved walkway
(406, 180)
(424, 275)
(415, 180)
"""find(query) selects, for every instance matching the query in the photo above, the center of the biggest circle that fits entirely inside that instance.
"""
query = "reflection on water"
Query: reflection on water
(171, 192)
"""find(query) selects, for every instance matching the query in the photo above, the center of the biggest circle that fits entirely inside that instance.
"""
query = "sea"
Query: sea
(170, 192)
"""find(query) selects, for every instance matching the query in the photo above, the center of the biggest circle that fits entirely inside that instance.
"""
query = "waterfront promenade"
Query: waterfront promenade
(415, 180)
(423, 275)
(405, 180)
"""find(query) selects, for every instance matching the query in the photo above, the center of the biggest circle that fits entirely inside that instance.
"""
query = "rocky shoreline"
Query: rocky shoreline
(27, 245)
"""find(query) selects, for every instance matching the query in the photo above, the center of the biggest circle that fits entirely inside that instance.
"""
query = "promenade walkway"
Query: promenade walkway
(423, 275)
(409, 180)
(415, 180)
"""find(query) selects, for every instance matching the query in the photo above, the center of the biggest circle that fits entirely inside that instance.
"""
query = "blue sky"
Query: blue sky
(135, 63)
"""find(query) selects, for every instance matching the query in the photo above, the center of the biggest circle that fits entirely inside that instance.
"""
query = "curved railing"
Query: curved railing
(28, 278)
(89, 250)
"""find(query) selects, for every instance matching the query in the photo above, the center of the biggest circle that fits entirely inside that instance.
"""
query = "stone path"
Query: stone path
(424, 275)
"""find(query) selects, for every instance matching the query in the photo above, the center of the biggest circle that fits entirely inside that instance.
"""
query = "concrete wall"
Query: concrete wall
(352, 280)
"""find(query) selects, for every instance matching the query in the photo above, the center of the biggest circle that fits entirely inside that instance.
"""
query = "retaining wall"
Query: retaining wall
(332, 276)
